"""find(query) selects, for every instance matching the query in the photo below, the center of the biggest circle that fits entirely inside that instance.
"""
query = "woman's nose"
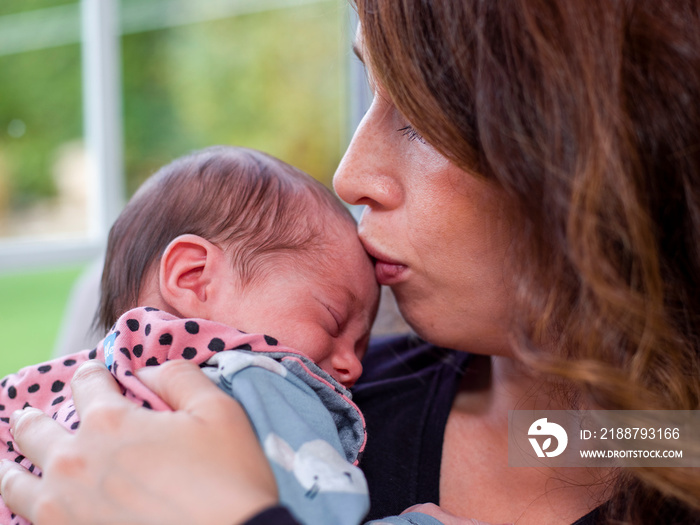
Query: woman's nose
(367, 172)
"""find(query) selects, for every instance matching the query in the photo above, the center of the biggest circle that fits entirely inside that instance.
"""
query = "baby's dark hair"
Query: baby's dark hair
(241, 199)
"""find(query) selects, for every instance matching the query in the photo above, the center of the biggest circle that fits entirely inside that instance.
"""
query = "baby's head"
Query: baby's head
(236, 236)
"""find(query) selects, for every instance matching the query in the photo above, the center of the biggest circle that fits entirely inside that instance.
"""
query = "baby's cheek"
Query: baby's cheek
(321, 355)
(320, 352)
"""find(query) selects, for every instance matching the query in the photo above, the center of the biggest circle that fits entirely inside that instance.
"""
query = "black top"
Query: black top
(405, 394)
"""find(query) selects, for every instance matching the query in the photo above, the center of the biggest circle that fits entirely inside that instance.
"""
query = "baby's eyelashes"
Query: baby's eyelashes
(337, 324)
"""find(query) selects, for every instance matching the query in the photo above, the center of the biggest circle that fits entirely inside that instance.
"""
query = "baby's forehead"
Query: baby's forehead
(328, 213)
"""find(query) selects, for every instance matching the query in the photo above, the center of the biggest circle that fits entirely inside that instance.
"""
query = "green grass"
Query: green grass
(31, 310)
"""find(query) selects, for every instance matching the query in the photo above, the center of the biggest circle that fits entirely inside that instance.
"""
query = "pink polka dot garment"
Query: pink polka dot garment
(141, 337)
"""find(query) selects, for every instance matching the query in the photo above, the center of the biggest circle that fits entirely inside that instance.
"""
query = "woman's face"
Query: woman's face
(438, 234)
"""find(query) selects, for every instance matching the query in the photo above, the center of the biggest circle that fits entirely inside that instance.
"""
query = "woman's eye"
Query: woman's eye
(411, 134)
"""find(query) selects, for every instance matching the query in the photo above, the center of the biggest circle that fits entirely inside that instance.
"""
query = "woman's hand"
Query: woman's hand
(445, 517)
(125, 464)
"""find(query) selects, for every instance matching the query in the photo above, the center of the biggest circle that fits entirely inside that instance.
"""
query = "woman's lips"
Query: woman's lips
(388, 271)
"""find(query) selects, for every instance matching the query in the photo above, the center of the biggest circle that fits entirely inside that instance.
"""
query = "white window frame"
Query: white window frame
(102, 125)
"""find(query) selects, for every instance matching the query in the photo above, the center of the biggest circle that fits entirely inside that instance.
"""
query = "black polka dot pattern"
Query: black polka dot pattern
(138, 350)
(166, 339)
(270, 340)
(59, 399)
(132, 324)
(189, 353)
(192, 327)
(216, 345)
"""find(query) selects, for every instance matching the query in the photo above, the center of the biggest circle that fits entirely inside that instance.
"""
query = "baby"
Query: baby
(235, 260)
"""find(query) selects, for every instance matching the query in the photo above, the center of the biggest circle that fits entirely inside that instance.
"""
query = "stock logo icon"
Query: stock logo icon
(544, 429)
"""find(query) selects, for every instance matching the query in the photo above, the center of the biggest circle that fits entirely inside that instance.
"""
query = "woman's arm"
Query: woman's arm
(198, 464)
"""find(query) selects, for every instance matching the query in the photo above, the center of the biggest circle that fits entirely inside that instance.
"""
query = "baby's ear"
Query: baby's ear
(186, 274)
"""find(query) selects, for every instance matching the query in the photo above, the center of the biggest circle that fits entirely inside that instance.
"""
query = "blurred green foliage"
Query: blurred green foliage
(42, 90)
(272, 80)
(30, 322)
(16, 6)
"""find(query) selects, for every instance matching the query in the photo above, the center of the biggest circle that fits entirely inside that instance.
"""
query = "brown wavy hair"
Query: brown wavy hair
(587, 115)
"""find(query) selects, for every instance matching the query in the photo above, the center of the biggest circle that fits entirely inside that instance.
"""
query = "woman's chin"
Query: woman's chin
(419, 315)
(449, 330)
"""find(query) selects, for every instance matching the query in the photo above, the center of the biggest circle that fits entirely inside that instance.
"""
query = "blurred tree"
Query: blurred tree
(40, 109)
(272, 80)
(16, 6)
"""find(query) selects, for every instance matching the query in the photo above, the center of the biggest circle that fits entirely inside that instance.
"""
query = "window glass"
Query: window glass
(31, 312)
(270, 79)
(265, 74)
(42, 176)
(8, 7)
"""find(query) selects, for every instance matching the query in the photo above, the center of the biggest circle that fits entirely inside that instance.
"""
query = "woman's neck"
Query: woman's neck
(476, 481)
(494, 385)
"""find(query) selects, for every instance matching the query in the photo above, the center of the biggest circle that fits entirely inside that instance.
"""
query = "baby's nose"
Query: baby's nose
(347, 367)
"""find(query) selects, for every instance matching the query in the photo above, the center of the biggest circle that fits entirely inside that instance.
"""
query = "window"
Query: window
(42, 185)
(99, 93)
